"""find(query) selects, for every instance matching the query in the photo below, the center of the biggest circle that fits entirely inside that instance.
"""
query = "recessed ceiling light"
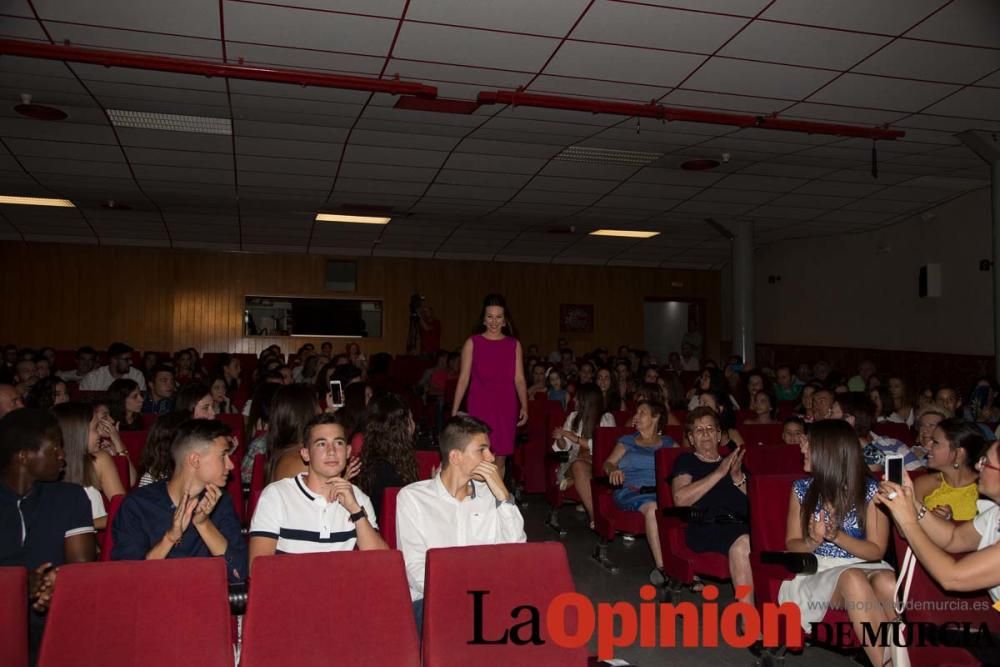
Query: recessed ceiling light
(624, 233)
(35, 201)
(354, 219)
(170, 122)
(607, 156)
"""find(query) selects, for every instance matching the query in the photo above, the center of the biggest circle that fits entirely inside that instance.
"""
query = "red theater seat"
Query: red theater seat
(234, 488)
(135, 442)
(895, 430)
(427, 460)
(387, 518)
(761, 434)
(365, 616)
(514, 575)
(106, 538)
(236, 423)
(155, 613)
(609, 520)
(14, 616)
(531, 455)
(773, 460)
(257, 483)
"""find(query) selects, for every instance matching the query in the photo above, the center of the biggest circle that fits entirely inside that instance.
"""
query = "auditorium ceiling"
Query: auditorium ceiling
(255, 161)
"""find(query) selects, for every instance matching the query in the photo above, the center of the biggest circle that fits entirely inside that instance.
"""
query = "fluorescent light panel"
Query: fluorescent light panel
(353, 219)
(35, 201)
(624, 233)
(607, 156)
(170, 122)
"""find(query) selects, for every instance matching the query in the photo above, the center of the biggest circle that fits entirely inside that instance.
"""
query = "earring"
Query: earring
(955, 465)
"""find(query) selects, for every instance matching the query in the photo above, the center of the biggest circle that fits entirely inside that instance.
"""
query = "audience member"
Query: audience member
(859, 383)
(157, 461)
(612, 399)
(785, 388)
(689, 362)
(928, 419)
(160, 393)
(189, 515)
(258, 423)
(556, 383)
(466, 504)
(43, 368)
(430, 330)
(727, 418)
(195, 400)
(763, 409)
(119, 366)
(387, 458)
(831, 515)
(229, 370)
(717, 486)
(493, 373)
(125, 405)
(792, 430)
(318, 510)
(292, 408)
(955, 447)
(43, 523)
(48, 392)
(220, 398)
(576, 437)
(902, 405)
(86, 361)
(631, 466)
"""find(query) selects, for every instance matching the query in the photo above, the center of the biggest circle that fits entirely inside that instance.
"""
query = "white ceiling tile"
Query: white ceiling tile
(860, 90)
(763, 183)
(386, 172)
(971, 102)
(965, 22)
(369, 188)
(485, 78)
(386, 8)
(280, 138)
(21, 28)
(930, 61)
(181, 17)
(478, 48)
(384, 155)
(289, 57)
(402, 140)
(760, 79)
(573, 86)
(308, 29)
(738, 103)
(886, 16)
(505, 148)
(663, 69)
(155, 156)
(506, 182)
(656, 27)
(851, 115)
(484, 161)
(94, 36)
(175, 140)
(799, 45)
(511, 15)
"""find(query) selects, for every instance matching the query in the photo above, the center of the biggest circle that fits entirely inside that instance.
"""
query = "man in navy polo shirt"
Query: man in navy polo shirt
(188, 515)
(43, 523)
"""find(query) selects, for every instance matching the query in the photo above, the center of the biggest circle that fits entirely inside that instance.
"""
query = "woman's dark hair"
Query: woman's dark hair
(495, 300)
(74, 422)
(675, 388)
(156, 460)
(323, 378)
(387, 438)
(700, 412)
(650, 392)
(965, 435)
(352, 415)
(589, 410)
(260, 405)
(839, 474)
(188, 397)
(727, 418)
(716, 381)
(862, 408)
(118, 391)
(292, 407)
(224, 360)
(886, 399)
(43, 394)
(310, 367)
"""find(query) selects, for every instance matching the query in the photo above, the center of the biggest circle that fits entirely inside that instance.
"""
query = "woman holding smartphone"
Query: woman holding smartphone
(493, 374)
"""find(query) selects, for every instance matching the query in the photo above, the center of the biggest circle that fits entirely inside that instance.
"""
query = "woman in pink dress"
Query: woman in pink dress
(493, 373)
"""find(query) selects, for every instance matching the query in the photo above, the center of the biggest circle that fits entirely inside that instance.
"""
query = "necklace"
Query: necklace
(718, 457)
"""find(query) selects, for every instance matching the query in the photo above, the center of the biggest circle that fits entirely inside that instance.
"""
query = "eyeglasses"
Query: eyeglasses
(704, 431)
(984, 462)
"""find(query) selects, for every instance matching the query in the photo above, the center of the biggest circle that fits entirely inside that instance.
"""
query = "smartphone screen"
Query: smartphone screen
(894, 469)
(337, 393)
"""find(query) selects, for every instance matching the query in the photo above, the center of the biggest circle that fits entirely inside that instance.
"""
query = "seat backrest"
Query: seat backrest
(555, 416)
(148, 420)
(14, 616)
(742, 416)
(665, 459)
(773, 459)
(257, 483)
(768, 497)
(107, 538)
(786, 409)
(135, 442)
(387, 519)
(605, 439)
(238, 426)
(762, 434)
(895, 430)
(427, 460)
(513, 575)
(365, 616)
(676, 433)
(149, 612)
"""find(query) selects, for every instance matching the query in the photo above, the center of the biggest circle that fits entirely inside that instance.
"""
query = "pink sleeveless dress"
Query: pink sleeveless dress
(492, 395)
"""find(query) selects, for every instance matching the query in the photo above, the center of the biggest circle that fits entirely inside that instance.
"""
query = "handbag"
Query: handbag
(899, 655)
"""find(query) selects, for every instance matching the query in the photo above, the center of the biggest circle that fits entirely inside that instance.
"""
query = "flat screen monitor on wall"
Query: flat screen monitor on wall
(308, 316)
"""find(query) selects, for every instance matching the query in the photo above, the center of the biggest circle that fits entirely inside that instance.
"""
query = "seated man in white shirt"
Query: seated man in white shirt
(319, 510)
(465, 504)
(119, 366)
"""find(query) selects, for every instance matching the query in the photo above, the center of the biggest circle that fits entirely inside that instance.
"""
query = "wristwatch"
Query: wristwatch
(359, 515)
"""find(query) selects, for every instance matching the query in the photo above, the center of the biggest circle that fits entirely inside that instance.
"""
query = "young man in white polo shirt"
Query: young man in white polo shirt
(318, 510)
(466, 504)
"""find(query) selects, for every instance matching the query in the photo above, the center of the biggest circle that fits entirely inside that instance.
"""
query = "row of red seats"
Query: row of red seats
(140, 612)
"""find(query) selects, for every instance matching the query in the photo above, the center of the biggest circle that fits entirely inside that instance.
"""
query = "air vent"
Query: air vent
(607, 156)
